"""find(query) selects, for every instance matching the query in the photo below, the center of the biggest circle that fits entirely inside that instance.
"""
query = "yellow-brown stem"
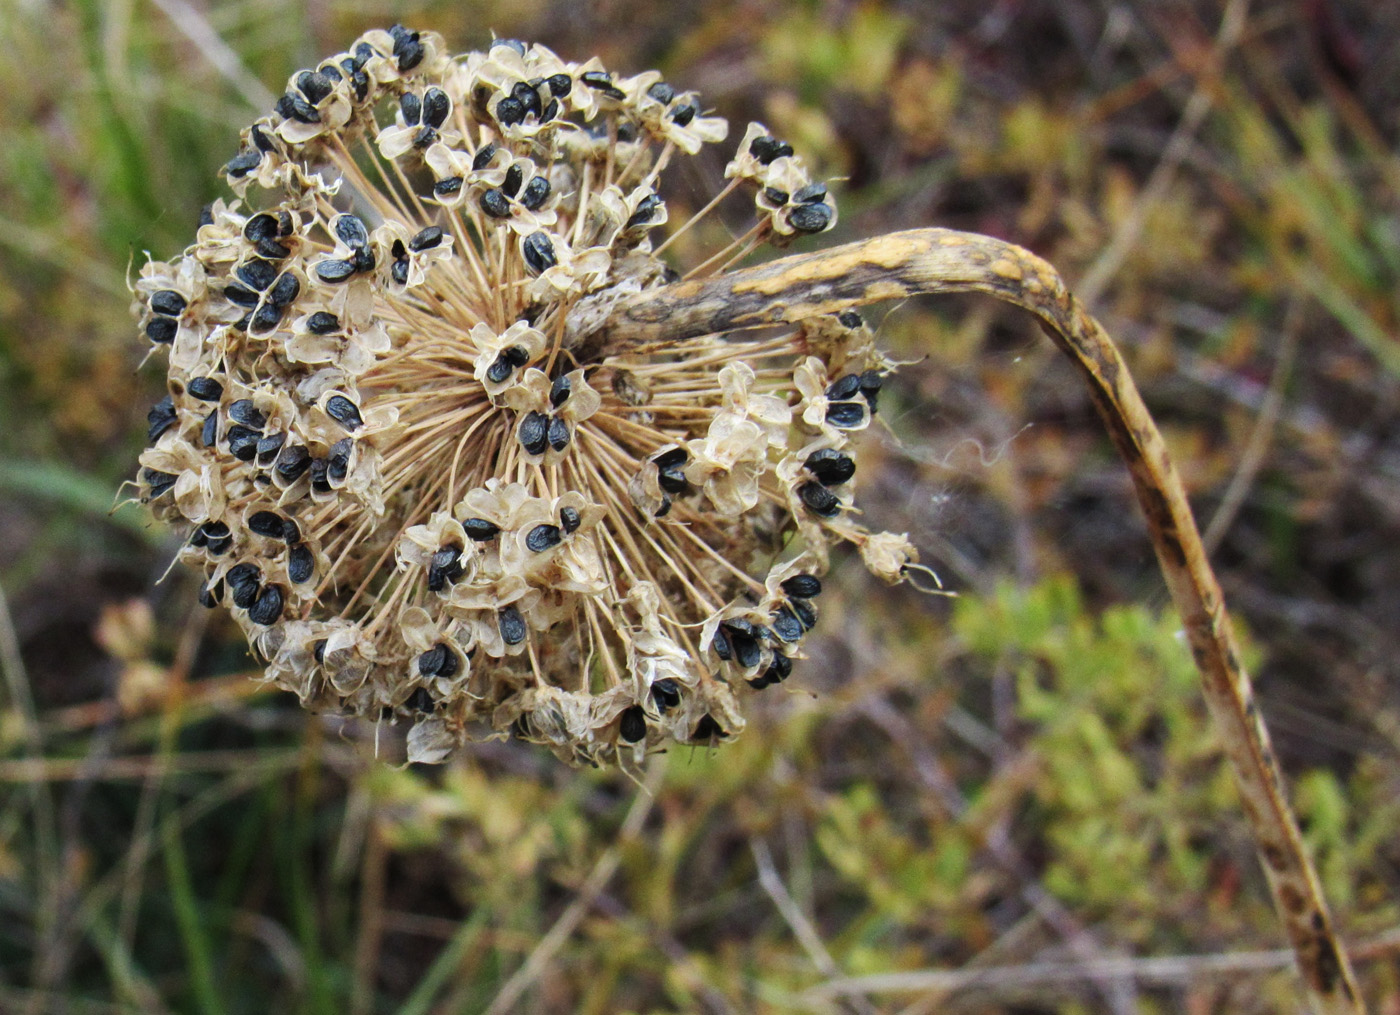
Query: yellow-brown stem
(926, 261)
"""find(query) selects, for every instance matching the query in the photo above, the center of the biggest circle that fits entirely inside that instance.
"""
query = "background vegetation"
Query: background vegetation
(1010, 801)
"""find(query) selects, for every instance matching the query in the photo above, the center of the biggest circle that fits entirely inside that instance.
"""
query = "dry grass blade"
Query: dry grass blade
(929, 261)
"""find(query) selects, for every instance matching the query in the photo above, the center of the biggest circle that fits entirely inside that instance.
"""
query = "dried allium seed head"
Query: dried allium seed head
(417, 490)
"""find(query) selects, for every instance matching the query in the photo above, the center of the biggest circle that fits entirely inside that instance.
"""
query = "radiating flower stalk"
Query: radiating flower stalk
(456, 444)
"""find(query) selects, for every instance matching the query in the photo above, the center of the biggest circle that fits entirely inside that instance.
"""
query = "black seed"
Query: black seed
(479, 529)
(810, 194)
(210, 596)
(560, 85)
(167, 302)
(398, 271)
(516, 356)
(810, 218)
(646, 211)
(483, 157)
(266, 523)
(242, 323)
(322, 323)
(495, 204)
(284, 290)
(436, 660)
(682, 115)
(265, 319)
(338, 461)
(293, 462)
(448, 187)
(569, 520)
(672, 481)
(284, 223)
(708, 729)
(819, 499)
(242, 442)
(499, 369)
(344, 412)
(319, 483)
(667, 694)
(412, 108)
(268, 609)
(528, 98)
(769, 149)
(775, 196)
(351, 231)
(244, 580)
(632, 727)
(665, 507)
(206, 215)
(778, 670)
(850, 319)
(330, 72)
(444, 568)
(260, 138)
(830, 466)
(162, 329)
(410, 55)
(420, 700)
(509, 111)
(514, 44)
(213, 536)
(720, 644)
(333, 271)
(240, 296)
(601, 81)
(662, 93)
(314, 86)
(559, 433)
(318, 650)
(243, 163)
(803, 586)
(427, 239)
(243, 411)
(262, 226)
(272, 249)
(515, 177)
(536, 193)
(296, 108)
(745, 646)
(806, 612)
(301, 564)
(543, 537)
(761, 681)
(512, 626)
(870, 384)
(538, 251)
(269, 446)
(559, 391)
(533, 432)
(550, 111)
(209, 433)
(436, 107)
(786, 625)
(206, 389)
(160, 418)
(844, 388)
(845, 415)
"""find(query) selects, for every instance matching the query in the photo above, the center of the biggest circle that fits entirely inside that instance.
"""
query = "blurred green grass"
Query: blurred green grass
(1021, 776)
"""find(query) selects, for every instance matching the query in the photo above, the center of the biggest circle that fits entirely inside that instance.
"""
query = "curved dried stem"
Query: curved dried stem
(926, 261)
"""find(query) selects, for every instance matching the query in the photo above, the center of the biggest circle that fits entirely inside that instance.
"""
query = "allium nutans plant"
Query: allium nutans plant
(456, 444)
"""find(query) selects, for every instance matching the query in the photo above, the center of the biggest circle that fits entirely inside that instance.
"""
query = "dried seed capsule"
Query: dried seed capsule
(284, 290)
(830, 466)
(810, 194)
(301, 564)
(536, 193)
(162, 330)
(209, 432)
(445, 568)
(242, 442)
(569, 520)
(533, 433)
(845, 415)
(245, 580)
(333, 271)
(803, 586)
(632, 726)
(558, 433)
(559, 391)
(211, 595)
(542, 538)
(810, 218)
(293, 462)
(819, 500)
(239, 296)
(769, 149)
(666, 693)
(243, 411)
(160, 418)
(495, 204)
(426, 239)
(538, 251)
(167, 302)
(480, 530)
(206, 389)
(786, 625)
(512, 625)
(344, 412)
(268, 608)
